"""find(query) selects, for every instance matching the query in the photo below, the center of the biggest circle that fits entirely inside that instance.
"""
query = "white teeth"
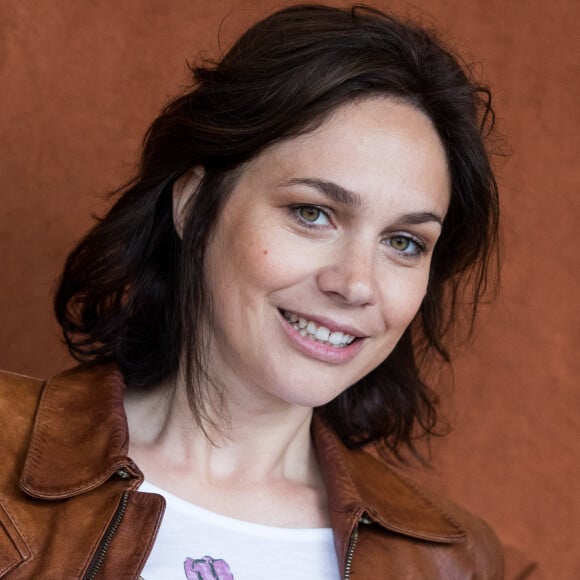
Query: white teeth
(318, 333)
(322, 333)
(335, 338)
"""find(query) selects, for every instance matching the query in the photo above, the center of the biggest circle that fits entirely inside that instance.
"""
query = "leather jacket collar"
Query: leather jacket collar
(80, 439)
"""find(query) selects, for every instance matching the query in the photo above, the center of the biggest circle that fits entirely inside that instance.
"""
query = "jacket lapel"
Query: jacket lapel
(360, 485)
(80, 435)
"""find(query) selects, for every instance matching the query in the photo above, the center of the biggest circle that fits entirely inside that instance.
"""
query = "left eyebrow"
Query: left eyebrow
(421, 217)
(332, 190)
(341, 195)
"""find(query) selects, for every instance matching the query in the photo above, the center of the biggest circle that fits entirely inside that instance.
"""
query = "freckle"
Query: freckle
(265, 252)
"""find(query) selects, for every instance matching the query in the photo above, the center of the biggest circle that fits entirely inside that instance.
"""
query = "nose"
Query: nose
(349, 278)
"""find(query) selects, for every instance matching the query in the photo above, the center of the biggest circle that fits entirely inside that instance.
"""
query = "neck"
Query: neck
(241, 439)
(256, 451)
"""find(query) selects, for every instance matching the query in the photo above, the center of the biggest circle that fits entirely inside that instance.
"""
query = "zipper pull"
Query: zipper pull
(123, 474)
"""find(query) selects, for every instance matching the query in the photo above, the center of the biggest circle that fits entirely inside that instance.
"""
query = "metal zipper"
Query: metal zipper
(99, 557)
(350, 553)
(352, 545)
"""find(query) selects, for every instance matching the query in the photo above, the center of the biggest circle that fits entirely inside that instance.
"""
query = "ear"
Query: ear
(183, 190)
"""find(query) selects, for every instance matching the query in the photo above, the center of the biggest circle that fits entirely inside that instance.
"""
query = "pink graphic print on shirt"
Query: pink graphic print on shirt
(207, 568)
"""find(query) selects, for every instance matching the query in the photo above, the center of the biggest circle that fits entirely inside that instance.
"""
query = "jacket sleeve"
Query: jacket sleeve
(486, 550)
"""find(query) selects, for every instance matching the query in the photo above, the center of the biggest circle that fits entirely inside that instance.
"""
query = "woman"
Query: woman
(252, 312)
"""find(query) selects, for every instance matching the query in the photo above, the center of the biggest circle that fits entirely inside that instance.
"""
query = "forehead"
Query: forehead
(382, 149)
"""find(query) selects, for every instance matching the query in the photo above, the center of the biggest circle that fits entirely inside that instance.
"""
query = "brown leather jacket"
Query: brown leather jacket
(69, 505)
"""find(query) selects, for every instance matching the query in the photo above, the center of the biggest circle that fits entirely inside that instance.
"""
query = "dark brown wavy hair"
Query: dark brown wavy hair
(133, 293)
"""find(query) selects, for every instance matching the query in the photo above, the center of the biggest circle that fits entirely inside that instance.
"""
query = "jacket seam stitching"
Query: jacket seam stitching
(23, 535)
(431, 503)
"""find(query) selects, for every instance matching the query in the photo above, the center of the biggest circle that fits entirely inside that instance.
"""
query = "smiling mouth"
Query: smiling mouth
(317, 332)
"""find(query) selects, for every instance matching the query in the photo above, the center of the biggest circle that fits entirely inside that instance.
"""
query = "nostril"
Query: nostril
(351, 279)
(351, 291)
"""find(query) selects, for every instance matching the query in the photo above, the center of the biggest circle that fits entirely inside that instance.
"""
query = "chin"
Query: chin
(311, 395)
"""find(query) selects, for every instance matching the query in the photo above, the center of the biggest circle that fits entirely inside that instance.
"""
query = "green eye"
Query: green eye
(400, 243)
(311, 216)
(309, 213)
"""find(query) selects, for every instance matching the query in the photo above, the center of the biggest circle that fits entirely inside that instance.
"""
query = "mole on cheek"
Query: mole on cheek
(265, 252)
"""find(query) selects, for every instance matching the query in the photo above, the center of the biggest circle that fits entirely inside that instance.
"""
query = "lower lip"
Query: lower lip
(322, 352)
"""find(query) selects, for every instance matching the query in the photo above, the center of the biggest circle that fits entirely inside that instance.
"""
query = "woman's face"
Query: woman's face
(320, 257)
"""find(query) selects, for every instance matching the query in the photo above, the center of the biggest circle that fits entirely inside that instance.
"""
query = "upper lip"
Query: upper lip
(332, 325)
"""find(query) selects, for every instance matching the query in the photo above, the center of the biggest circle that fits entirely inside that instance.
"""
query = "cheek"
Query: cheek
(247, 267)
(402, 298)
(273, 260)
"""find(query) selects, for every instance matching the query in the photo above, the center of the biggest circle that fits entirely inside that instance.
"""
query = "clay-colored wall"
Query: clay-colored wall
(80, 82)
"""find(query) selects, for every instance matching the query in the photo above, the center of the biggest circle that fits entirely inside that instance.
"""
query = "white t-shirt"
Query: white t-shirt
(196, 544)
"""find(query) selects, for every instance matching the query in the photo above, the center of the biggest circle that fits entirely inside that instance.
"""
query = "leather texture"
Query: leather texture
(68, 490)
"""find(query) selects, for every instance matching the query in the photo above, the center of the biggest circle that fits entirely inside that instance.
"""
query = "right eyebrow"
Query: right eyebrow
(330, 189)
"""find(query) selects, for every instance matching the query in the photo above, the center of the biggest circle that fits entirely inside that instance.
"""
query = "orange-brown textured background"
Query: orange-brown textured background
(80, 81)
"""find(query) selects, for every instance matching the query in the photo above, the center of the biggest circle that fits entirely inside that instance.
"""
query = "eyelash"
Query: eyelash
(419, 244)
(296, 213)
